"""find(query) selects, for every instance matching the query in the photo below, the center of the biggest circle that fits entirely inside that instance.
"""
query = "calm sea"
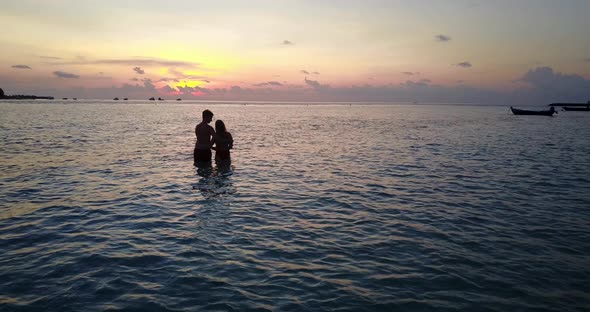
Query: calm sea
(325, 208)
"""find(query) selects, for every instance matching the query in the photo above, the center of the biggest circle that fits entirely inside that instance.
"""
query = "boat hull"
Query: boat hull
(577, 109)
(516, 111)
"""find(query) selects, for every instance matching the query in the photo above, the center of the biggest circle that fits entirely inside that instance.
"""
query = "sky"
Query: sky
(519, 51)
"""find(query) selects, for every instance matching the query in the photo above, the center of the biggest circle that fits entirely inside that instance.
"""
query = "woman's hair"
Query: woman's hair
(220, 127)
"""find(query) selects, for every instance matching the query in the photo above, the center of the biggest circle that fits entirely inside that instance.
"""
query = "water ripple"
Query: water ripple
(372, 208)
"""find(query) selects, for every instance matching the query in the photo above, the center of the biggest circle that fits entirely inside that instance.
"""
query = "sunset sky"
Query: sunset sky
(432, 51)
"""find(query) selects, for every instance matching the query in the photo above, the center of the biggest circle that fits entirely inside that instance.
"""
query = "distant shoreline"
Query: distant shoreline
(26, 97)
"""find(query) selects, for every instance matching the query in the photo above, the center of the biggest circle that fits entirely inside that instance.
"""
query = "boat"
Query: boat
(152, 99)
(116, 99)
(160, 99)
(64, 98)
(179, 99)
(577, 109)
(125, 99)
(587, 104)
(75, 99)
(548, 112)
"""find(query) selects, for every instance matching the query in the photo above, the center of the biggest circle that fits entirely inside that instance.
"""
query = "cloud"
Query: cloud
(168, 89)
(165, 79)
(555, 86)
(61, 74)
(538, 86)
(316, 84)
(148, 85)
(138, 70)
(21, 66)
(269, 83)
(49, 57)
(410, 73)
(316, 73)
(412, 84)
(130, 62)
(178, 75)
(464, 64)
(442, 38)
(303, 71)
(287, 42)
(134, 79)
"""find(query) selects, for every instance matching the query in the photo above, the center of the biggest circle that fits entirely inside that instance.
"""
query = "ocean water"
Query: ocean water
(325, 208)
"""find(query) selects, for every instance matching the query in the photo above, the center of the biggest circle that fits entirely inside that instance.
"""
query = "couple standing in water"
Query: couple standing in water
(207, 137)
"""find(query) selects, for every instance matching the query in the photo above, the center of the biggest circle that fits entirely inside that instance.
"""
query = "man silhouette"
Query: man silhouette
(204, 133)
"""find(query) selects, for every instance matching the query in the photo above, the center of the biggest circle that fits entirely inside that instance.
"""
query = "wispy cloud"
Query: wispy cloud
(268, 83)
(61, 74)
(138, 70)
(130, 62)
(303, 71)
(316, 73)
(442, 38)
(49, 57)
(21, 66)
(287, 42)
(166, 79)
(408, 73)
(134, 79)
(464, 64)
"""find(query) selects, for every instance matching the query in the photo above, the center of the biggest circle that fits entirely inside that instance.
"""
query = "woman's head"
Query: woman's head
(220, 126)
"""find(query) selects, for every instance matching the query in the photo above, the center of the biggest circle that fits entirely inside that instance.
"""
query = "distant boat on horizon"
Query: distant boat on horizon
(570, 104)
(160, 99)
(179, 99)
(64, 98)
(577, 109)
(116, 99)
(125, 99)
(548, 112)
(152, 99)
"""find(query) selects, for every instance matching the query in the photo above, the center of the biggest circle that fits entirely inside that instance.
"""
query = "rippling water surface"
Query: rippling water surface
(326, 207)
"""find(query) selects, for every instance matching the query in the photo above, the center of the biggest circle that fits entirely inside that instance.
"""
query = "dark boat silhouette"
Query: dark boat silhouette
(179, 99)
(125, 99)
(75, 99)
(577, 109)
(64, 98)
(116, 99)
(548, 112)
(160, 99)
(152, 99)
(587, 104)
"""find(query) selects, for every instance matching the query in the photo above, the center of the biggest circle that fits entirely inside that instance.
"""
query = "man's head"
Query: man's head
(207, 116)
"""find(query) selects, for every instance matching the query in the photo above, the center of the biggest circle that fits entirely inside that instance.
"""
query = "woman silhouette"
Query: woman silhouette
(223, 143)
